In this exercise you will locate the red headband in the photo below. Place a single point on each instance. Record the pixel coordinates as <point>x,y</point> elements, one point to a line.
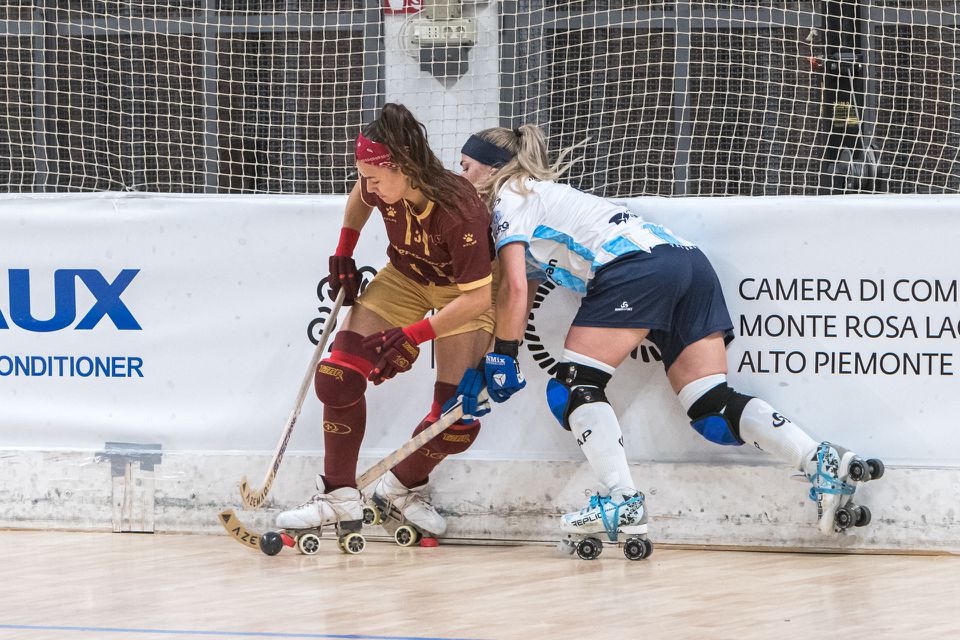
<point>374,153</point>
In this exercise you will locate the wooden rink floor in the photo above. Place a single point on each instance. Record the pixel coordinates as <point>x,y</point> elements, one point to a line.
<point>61,585</point>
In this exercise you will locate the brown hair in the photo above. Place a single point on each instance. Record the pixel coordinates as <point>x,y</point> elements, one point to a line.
<point>406,137</point>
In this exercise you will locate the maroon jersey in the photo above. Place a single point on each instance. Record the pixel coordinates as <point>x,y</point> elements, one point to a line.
<point>436,246</point>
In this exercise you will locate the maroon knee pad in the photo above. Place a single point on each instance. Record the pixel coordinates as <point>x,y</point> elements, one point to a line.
<point>341,379</point>
<point>415,470</point>
<point>457,438</point>
<point>453,440</point>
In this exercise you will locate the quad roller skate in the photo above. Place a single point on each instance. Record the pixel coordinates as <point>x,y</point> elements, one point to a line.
<point>834,473</point>
<point>621,523</point>
<point>302,528</point>
<point>403,513</point>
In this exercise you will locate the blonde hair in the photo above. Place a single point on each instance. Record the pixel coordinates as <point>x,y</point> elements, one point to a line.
<point>528,144</point>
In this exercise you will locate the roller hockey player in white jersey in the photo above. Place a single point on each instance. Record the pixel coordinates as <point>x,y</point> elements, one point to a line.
<point>638,281</point>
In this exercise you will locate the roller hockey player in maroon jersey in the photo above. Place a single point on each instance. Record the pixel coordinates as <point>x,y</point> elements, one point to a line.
<point>638,281</point>
<point>439,259</point>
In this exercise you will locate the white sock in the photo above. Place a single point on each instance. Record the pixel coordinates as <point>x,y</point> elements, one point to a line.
<point>597,430</point>
<point>771,431</point>
<point>760,425</point>
<point>598,433</point>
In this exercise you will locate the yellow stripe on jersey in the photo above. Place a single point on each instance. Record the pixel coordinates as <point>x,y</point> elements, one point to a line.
<point>476,284</point>
<point>423,214</point>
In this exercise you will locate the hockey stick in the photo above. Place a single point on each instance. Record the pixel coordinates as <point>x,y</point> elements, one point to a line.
<point>254,498</point>
<point>236,529</point>
<point>228,517</point>
<point>412,445</point>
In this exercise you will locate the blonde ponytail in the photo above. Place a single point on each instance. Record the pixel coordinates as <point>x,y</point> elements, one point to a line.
<point>528,144</point>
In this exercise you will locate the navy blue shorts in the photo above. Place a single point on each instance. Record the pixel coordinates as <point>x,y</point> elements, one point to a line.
<point>673,291</point>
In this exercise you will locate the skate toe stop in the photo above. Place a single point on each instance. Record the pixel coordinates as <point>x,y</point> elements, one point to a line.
<point>429,542</point>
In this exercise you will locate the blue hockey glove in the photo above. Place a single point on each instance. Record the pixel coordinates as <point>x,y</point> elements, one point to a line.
<point>467,391</point>
<point>502,371</point>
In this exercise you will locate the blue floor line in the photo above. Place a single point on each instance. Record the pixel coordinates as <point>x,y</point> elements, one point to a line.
<point>245,634</point>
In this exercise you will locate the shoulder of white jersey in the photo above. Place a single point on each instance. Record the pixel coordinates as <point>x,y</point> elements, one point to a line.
<point>513,194</point>
<point>513,214</point>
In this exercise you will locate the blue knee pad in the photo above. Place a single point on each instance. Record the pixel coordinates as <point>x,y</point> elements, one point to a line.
<point>716,429</point>
<point>558,397</point>
<point>574,385</point>
<point>716,415</point>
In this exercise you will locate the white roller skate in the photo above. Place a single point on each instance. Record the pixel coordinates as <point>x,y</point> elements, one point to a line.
<point>302,527</point>
<point>834,473</point>
<point>621,523</point>
<point>404,513</point>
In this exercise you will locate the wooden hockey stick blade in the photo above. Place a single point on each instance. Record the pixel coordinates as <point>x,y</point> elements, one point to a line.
<point>413,445</point>
<point>228,518</point>
<point>254,498</point>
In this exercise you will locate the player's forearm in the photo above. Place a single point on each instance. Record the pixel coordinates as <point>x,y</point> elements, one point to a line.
<point>357,212</point>
<point>464,308</point>
<point>511,309</point>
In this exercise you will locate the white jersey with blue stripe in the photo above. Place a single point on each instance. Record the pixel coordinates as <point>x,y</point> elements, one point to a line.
<point>569,234</point>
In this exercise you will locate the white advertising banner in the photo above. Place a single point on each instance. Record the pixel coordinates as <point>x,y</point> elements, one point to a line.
<point>185,322</point>
<point>180,321</point>
<point>846,312</point>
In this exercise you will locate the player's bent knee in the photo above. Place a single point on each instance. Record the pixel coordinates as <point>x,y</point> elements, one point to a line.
<point>338,385</point>
<point>574,386</point>
<point>716,415</point>
<point>455,439</point>
<point>716,429</point>
<point>558,397</point>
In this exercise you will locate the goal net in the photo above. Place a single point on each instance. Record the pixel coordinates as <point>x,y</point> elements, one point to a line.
<point>677,98</point>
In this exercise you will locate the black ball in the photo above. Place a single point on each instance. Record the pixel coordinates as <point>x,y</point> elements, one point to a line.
<point>271,543</point>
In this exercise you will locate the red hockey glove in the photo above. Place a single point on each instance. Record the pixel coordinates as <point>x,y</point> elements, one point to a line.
<point>397,348</point>
<point>343,270</point>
